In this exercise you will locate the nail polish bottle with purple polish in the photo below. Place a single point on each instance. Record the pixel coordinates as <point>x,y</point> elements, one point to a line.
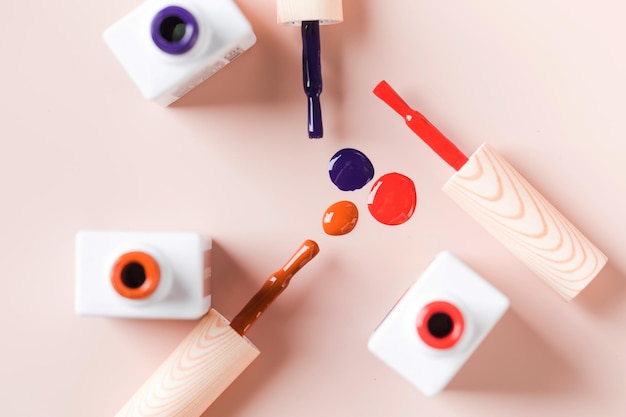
<point>168,47</point>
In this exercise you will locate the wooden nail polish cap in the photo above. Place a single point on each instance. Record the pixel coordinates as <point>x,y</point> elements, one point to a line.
<point>204,364</point>
<point>293,12</point>
<point>489,189</point>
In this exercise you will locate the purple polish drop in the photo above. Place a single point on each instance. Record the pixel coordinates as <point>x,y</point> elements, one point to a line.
<point>350,169</point>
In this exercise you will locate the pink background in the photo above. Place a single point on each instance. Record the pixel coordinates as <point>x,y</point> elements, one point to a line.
<point>542,81</point>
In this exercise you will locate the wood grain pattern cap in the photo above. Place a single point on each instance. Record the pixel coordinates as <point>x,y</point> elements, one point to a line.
<point>293,12</point>
<point>203,365</point>
<point>515,213</point>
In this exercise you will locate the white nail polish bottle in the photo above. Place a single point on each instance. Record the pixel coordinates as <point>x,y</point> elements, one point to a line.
<point>141,274</point>
<point>438,324</point>
<point>168,47</point>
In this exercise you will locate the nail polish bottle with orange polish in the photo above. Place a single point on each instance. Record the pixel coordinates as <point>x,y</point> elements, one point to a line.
<point>438,324</point>
<point>164,275</point>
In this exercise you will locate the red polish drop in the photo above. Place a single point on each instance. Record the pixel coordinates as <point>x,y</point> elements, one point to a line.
<point>340,218</point>
<point>392,199</point>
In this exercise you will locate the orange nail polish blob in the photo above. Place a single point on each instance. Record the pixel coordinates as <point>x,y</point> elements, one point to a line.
<point>340,218</point>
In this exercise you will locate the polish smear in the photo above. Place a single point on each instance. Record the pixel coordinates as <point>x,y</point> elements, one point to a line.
<point>392,199</point>
<point>340,218</point>
<point>350,169</point>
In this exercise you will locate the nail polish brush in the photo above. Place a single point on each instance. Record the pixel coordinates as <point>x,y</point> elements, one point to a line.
<point>212,355</point>
<point>496,195</point>
<point>310,14</point>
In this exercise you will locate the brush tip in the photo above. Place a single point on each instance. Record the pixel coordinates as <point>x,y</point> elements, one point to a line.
<point>314,248</point>
<point>382,88</point>
<point>388,95</point>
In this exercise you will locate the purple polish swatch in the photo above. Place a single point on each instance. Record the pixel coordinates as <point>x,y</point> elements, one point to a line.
<point>350,169</point>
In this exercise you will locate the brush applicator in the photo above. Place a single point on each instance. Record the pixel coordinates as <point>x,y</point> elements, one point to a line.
<point>310,14</point>
<point>212,355</point>
<point>488,188</point>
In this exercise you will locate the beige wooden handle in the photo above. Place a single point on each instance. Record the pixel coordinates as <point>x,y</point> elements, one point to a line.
<point>293,12</point>
<point>514,212</point>
<point>205,363</point>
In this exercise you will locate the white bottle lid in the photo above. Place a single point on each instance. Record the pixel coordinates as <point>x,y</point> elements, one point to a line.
<point>294,12</point>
